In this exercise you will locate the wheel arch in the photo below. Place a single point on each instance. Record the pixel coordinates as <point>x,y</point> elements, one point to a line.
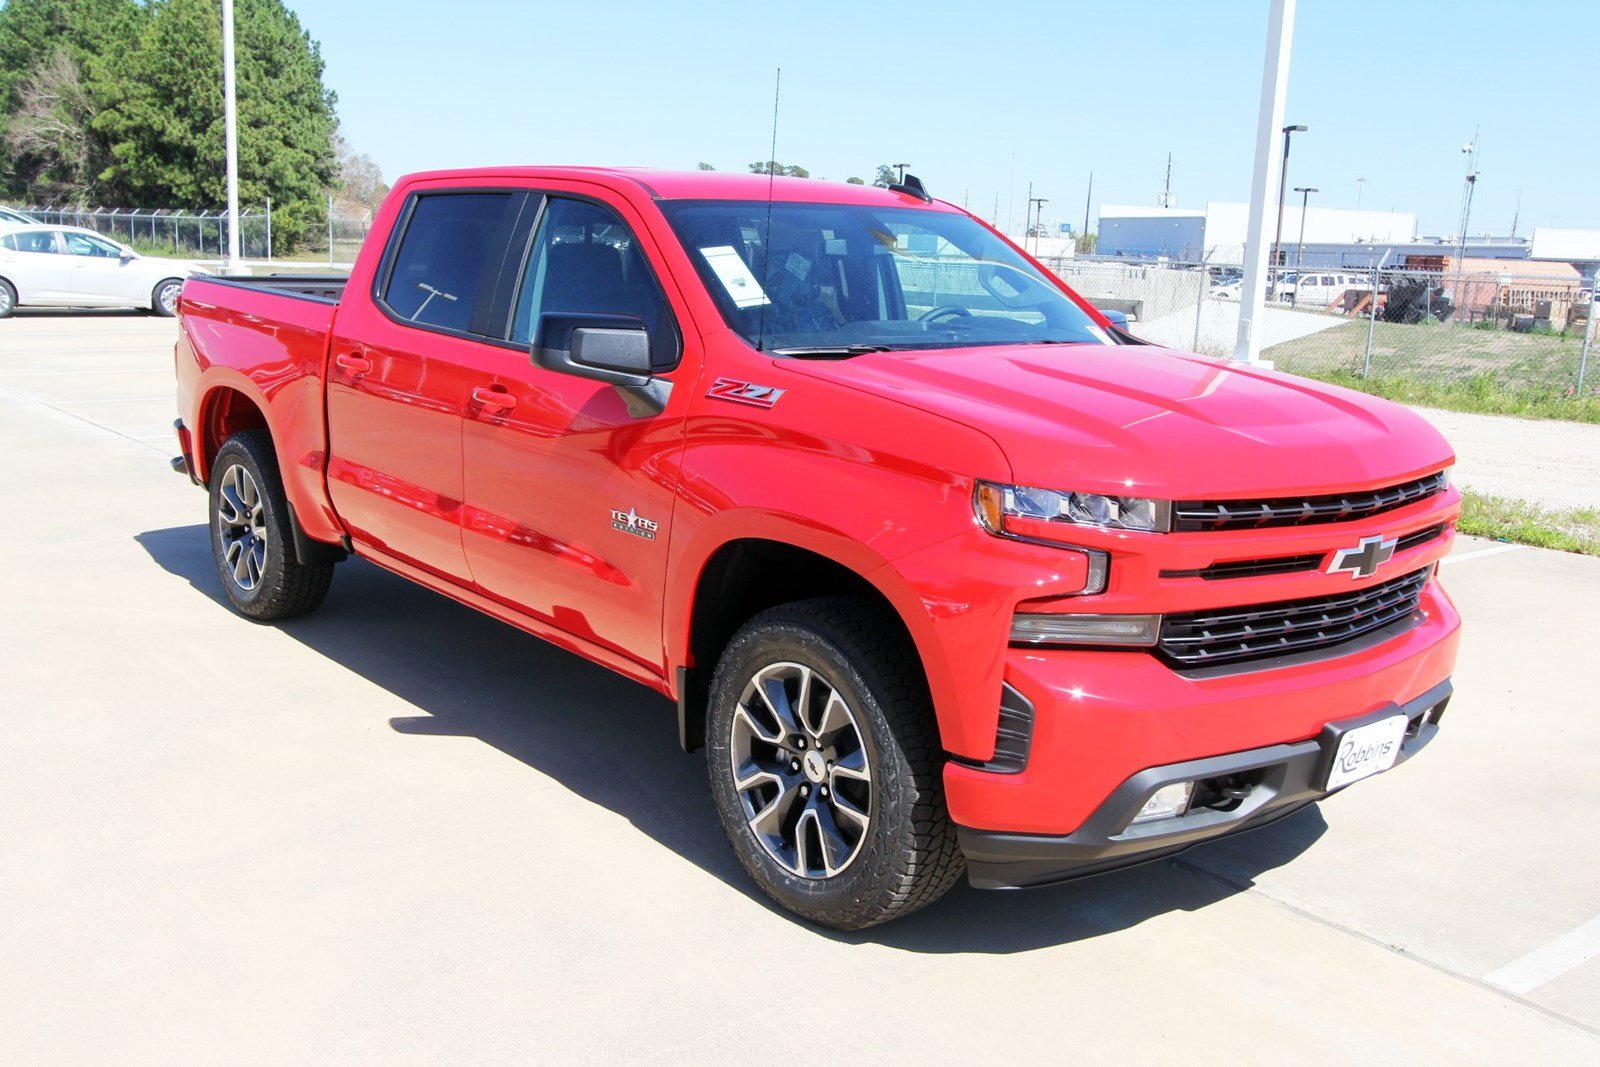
<point>225,411</point>
<point>745,575</point>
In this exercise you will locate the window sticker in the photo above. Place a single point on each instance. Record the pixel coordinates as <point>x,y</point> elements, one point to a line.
<point>798,265</point>
<point>735,276</point>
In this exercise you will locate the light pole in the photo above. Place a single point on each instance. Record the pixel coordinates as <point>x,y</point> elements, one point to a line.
<point>1283,192</point>
<point>1359,183</point>
<point>1038,203</point>
<point>1305,192</point>
<point>230,130</point>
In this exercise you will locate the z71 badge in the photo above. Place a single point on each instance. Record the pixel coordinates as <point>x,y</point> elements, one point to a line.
<point>760,396</point>
<point>631,522</point>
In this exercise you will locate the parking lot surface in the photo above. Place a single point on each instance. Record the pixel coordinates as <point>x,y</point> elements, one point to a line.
<point>399,831</point>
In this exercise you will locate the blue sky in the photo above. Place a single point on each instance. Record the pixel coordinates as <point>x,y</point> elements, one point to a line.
<point>981,99</point>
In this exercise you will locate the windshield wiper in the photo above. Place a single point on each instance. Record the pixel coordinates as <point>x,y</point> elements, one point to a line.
<point>830,351</point>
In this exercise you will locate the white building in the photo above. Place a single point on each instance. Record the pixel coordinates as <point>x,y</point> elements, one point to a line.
<point>1217,233</point>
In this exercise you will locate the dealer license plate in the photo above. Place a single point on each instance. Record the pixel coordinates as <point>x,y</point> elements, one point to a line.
<point>1366,750</point>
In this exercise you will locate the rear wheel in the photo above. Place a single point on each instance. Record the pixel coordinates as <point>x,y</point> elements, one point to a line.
<point>8,299</point>
<point>251,539</point>
<point>825,764</point>
<point>164,298</point>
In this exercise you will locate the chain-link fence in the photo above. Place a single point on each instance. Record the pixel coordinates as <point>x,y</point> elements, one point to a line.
<point>1517,325</point>
<point>204,235</point>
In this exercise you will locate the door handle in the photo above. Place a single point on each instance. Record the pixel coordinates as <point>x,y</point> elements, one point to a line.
<point>494,397</point>
<point>352,363</point>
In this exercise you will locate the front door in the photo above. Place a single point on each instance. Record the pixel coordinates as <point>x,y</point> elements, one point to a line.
<point>569,497</point>
<point>100,276</point>
<point>398,378</point>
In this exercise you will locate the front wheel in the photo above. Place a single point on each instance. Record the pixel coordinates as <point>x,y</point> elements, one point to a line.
<point>825,764</point>
<point>251,539</point>
<point>8,299</point>
<point>164,298</point>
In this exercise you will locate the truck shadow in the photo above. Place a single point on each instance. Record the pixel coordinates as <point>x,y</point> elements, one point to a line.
<point>614,743</point>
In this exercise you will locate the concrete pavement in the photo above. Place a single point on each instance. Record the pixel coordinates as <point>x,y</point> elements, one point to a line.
<point>398,831</point>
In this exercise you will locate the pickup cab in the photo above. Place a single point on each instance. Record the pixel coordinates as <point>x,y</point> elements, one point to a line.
<point>945,572</point>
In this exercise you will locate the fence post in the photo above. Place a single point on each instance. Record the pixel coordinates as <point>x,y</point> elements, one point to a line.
<point>1200,304</point>
<point>1588,334</point>
<point>269,227</point>
<point>330,231</point>
<point>1372,317</point>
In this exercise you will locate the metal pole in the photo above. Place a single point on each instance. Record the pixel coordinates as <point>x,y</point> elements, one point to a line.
<point>1588,334</point>
<point>1372,315</point>
<point>1200,304</point>
<point>1274,89</point>
<point>1283,194</point>
<point>269,227</point>
<point>231,133</point>
<point>1300,249</point>
<point>330,231</point>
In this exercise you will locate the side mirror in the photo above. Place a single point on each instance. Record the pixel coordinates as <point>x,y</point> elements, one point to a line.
<point>1119,319</point>
<point>127,256</point>
<point>608,348</point>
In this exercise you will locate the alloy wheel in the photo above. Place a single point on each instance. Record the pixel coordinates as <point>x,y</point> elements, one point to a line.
<point>801,771</point>
<point>168,297</point>
<point>242,527</point>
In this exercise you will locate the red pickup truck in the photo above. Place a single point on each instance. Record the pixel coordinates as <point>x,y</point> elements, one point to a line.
<point>944,570</point>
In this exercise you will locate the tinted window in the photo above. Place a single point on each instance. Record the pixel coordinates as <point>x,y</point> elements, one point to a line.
<point>8,242</point>
<point>81,244</point>
<point>34,241</point>
<point>586,260</point>
<point>449,257</point>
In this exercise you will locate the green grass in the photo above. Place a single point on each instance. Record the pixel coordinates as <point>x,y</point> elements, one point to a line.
<point>1482,393</point>
<point>1452,366</point>
<point>1517,521</point>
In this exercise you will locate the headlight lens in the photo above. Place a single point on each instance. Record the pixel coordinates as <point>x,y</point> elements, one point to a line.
<point>996,504</point>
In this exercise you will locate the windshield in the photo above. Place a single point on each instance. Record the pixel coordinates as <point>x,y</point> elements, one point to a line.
<point>843,278</point>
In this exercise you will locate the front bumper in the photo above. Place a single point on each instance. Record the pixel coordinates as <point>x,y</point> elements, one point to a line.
<point>1280,779</point>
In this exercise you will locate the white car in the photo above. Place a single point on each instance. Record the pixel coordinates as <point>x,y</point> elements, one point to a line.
<point>66,266</point>
<point>9,215</point>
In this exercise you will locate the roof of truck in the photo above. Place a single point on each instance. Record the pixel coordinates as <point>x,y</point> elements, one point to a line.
<point>698,184</point>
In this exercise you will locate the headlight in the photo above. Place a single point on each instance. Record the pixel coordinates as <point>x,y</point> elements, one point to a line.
<point>1012,509</point>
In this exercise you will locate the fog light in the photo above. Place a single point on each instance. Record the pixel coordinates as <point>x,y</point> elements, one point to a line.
<point>1166,802</point>
<point>1064,629</point>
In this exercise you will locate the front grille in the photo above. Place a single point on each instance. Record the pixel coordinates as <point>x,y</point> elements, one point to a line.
<point>1238,635</point>
<point>1310,561</point>
<point>1191,515</point>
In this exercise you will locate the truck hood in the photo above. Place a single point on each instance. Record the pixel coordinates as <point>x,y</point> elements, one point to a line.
<point>1140,420</point>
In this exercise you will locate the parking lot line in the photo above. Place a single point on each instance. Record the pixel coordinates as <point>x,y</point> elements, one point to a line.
<point>1492,550</point>
<point>1549,961</point>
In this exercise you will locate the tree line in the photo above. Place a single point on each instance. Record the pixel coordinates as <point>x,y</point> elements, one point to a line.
<point>118,103</point>
<point>882,178</point>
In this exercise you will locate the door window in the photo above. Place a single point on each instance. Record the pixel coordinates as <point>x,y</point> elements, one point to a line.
<point>449,258</point>
<point>586,261</point>
<point>32,241</point>
<point>83,244</point>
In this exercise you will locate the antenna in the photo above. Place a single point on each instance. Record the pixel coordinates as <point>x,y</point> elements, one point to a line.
<point>766,241</point>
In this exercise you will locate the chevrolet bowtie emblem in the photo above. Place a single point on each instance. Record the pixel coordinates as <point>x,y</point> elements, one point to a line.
<point>1364,559</point>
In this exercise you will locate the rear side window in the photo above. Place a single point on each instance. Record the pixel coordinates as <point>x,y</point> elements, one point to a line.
<point>448,258</point>
<point>9,243</point>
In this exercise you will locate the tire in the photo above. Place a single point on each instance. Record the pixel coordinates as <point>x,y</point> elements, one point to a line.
<point>164,297</point>
<point>881,758</point>
<point>8,299</point>
<point>251,539</point>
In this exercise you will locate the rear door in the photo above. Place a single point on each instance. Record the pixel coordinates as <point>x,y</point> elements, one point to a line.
<point>36,265</point>
<point>100,276</point>
<point>569,496</point>
<point>399,380</point>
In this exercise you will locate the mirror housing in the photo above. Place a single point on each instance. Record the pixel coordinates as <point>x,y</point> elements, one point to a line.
<point>1119,319</point>
<point>614,349</point>
<point>127,255</point>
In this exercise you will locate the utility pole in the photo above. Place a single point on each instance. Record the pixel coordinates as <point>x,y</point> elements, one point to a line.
<point>1038,203</point>
<point>1087,197</point>
<point>1300,252</point>
<point>1283,194</point>
<point>1359,183</point>
<point>1470,150</point>
<point>230,135</point>
<point>1166,193</point>
<point>1516,214</point>
<point>1274,90</point>
<point>1027,219</point>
